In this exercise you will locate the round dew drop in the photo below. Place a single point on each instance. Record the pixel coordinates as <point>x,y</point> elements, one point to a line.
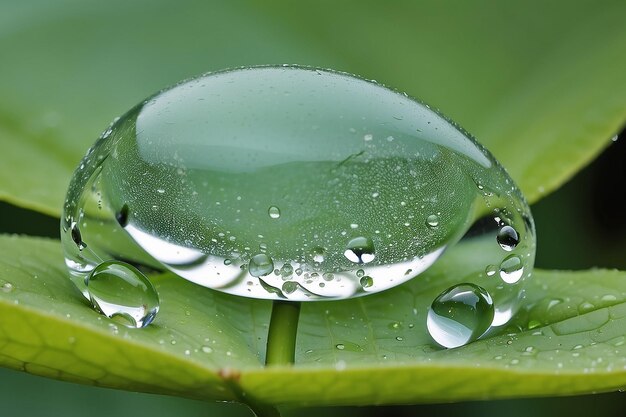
<point>247,181</point>
<point>120,291</point>
<point>459,315</point>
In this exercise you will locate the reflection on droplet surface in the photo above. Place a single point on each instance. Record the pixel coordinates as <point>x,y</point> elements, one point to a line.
<point>460,315</point>
<point>507,238</point>
<point>119,291</point>
<point>360,250</point>
<point>231,184</point>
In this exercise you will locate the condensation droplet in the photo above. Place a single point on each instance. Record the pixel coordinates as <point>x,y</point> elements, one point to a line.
<point>274,212</point>
<point>432,220</point>
<point>121,292</point>
<point>460,315</point>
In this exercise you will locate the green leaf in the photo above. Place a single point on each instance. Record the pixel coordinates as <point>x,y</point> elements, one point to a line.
<point>541,85</point>
<point>211,346</point>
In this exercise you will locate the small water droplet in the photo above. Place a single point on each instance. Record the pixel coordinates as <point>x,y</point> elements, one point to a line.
<point>507,238</point>
<point>366,281</point>
<point>274,212</point>
<point>119,291</point>
<point>207,349</point>
<point>260,265</point>
<point>7,287</point>
<point>491,270</point>
<point>511,269</point>
<point>360,273</point>
<point>459,315</point>
<point>340,346</point>
<point>432,220</point>
<point>360,250</point>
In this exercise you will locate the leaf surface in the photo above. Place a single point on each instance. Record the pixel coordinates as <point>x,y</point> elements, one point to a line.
<point>211,346</point>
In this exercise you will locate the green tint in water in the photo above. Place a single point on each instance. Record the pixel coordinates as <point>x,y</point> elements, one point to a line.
<point>330,177</point>
<point>118,290</point>
<point>460,314</point>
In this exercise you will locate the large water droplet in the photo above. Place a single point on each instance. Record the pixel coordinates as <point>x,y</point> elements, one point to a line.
<point>119,291</point>
<point>460,314</point>
<point>203,178</point>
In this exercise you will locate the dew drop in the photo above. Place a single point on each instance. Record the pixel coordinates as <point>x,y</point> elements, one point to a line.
<point>7,287</point>
<point>360,250</point>
<point>274,212</point>
<point>459,315</point>
<point>432,220</point>
<point>511,269</point>
<point>119,291</point>
<point>260,265</point>
<point>508,238</point>
<point>366,281</point>
<point>185,202</point>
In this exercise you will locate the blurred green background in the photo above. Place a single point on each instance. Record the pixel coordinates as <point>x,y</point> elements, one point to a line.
<point>52,50</point>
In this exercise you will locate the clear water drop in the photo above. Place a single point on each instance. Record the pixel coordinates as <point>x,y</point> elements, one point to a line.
<point>219,204</point>
<point>274,212</point>
<point>121,292</point>
<point>432,220</point>
<point>360,250</point>
<point>260,265</point>
<point>491,270</point>
<point>366,281</point>
<point>459,315</point>
<point>507,238</point>
<point>511,269</point>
